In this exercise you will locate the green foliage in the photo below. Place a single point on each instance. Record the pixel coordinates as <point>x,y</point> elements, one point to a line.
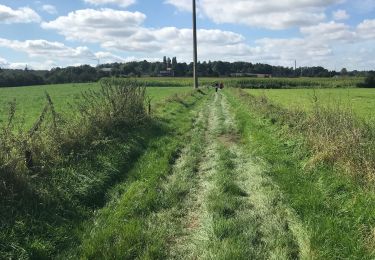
<point>369,81</point>
<point>31,100</point>
<point>86,73</point>
<point>143,196</point>
<point>52,175</point>
<point>332,205</point>
<point>333,133</point>
<point>294,83</point>
<point>14,78</point>
<point>361,101</point>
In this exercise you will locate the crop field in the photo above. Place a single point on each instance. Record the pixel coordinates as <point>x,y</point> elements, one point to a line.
<point>31,100</point>
<point>361,101</point>
<point>206,175</point>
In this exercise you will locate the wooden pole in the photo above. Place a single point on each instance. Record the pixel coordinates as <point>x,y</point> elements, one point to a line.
<point>195,46</point>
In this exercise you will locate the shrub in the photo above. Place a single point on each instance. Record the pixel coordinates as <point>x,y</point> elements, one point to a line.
<point>369,81</point>
<point>52,139</point>
<point>333,134</point>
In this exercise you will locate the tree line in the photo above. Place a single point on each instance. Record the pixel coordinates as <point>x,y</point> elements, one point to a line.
<point>87,73</point>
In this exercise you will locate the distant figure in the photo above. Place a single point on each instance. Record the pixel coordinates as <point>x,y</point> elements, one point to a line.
<point>216,86</point>
<point>221,85</point>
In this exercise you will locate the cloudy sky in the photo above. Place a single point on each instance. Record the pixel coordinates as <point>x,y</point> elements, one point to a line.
<point>51,33</point>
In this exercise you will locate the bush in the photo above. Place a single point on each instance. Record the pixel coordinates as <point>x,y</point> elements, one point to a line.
<point>119,104</point>
<point>332,133</point>
<point>369,81</point>
<point>52,175</point>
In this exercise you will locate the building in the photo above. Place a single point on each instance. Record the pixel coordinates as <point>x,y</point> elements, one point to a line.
<point>166,73</point>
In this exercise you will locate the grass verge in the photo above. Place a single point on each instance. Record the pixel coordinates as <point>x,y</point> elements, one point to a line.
<point>334,208</point>
<point>129,227</point>
<point>43,208</point>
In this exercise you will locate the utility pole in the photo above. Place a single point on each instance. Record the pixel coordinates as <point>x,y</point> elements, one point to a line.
<point>195,46</point>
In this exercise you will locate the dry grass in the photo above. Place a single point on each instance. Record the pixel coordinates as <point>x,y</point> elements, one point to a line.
<point>333,133</point>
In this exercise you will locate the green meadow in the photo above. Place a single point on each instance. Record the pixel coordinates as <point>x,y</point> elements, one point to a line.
<point>206,175</point>
<point>361,101</point>
<point>31,100</point>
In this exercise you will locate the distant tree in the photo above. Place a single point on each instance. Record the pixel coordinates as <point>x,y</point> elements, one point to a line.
<point>169,63</point>
<point>158,67</point>
<point>344,72</point>
<point>174,63</point>
<point>370,80</point>
<point>219,68</point>
<point>165,62</point>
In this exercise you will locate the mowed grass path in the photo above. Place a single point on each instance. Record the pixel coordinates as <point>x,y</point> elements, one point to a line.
<point>362,101</point>
<point>31,100</point>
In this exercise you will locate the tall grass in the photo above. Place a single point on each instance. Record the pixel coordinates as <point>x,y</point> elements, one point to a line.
<point>53,173</point>
<point>335,210</point>
<point>287,83</point>
<point>258,83</point>
<point>334,135</point>
<point>118,103</point>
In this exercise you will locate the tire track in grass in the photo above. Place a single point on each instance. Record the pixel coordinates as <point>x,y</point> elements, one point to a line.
<point>281,232</point>
<point>233,211</point>
<point>195,223</point>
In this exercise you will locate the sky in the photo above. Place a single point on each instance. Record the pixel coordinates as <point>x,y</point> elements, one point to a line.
<point>44,34</point>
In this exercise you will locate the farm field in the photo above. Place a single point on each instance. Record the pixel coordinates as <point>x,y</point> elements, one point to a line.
<point>206,176</point>
<point>361,101</point>
<point>31,100</point>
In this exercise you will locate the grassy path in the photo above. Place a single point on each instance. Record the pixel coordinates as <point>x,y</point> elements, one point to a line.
<point>200,193</point>
<point>233,211</point>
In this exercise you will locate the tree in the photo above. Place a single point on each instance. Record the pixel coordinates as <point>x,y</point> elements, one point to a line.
<point>165,62</point>
<point>174,63</point>
<point>344,72</point>
<point>370,80</point>
<point>169,63</point>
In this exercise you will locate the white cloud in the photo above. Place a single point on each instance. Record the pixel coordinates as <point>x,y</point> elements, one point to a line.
<point>49,9</point>
<point>107,57</point>
<point>54,53</point>
<point>317,46</point>
<point>44,65</point>
<point>340,15</point>
<point>118,31</point>
<point>3,62</point>
<point>47,49</point>
<point>20,15</point>
<point>271,14</point>
<point>180,5</point>
<point>331,31</point>
<point>285,51</point>
<point>366,29</point>
<point>91,25</point>
<point>122,3</point>
<point>132,36</point>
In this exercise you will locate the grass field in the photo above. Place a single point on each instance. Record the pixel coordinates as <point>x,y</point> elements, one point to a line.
<point>31,100</point>
<point>362,101</point>
<point>206,176</point>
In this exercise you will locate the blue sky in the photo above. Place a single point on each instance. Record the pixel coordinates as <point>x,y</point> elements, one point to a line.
<point>46,33</point>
